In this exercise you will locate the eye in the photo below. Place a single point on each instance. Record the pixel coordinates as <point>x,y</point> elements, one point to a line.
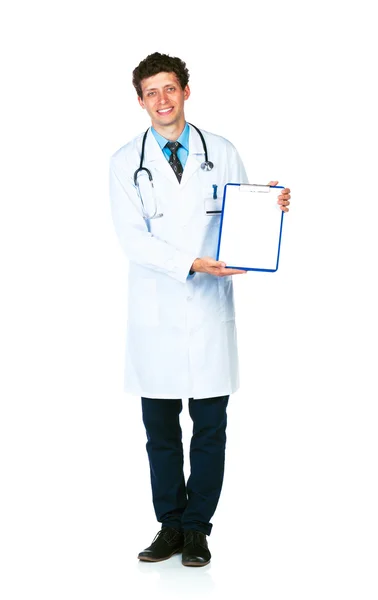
<point>150,93</point>
<point>171,89</point>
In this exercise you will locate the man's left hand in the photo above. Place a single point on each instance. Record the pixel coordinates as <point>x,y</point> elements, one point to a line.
<point>284,198</point>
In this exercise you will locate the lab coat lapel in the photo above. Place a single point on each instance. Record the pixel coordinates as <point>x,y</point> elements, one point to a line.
<point>195,157</point>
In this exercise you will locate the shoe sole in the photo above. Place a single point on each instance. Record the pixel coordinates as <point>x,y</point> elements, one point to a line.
<point>147,559</point>
<point>195,564</point>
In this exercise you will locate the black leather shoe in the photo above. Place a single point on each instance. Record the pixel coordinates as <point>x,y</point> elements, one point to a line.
<point>165,544</point>
<point>196,552</point>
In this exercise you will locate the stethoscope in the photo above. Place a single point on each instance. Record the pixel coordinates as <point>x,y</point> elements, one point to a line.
<point>207,165</point>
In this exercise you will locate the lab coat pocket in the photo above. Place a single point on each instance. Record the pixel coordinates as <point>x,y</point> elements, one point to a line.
<point>212,206</point>
<point>143,302</point>
<point>226,298</point>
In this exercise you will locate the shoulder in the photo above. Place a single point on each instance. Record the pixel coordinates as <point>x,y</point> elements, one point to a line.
<point>217,140</point>
<point>219,144</point>
<point>221,149</point>
<point>129,151</point>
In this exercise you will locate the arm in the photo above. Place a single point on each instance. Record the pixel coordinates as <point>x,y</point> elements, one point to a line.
<point>236,170</point>
<point>139,245</point>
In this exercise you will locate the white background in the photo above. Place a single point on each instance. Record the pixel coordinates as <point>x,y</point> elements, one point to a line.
<point>291,84</point>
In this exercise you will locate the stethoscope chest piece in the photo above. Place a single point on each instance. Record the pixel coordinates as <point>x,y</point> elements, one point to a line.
<point>207,165</point>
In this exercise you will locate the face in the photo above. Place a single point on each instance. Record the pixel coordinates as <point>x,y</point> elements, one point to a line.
<point>163,99</point>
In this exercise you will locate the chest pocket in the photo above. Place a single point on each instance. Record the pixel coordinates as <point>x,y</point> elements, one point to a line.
<point>212,207</point>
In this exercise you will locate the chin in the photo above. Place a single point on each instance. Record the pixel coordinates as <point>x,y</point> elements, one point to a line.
<point>164,123</point>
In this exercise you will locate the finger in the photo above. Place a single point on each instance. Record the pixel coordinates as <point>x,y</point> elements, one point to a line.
<point>232,272</point>
<point>225,270</point>
<point>284,202</point>
<point>273,183</point>
<point>284,197</point>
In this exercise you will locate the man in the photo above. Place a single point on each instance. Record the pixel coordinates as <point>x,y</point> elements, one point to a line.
<point>181,335</point>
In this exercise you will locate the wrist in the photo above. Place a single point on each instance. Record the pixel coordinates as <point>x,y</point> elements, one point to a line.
<point>195,266</point>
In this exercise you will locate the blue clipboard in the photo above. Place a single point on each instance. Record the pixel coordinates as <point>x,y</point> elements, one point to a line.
<point>251,227</point>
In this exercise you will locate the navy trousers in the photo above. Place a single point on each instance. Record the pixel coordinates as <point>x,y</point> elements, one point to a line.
<point>191,505</point>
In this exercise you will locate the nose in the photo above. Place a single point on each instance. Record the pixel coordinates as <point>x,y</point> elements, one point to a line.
<point>163,97</point>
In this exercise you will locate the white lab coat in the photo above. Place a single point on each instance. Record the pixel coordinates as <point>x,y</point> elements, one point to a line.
<point>181,336</point>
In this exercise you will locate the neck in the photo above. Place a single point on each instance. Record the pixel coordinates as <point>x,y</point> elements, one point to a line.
<point>171,132</point>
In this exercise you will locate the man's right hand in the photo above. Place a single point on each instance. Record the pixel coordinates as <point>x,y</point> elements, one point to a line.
<point>214,267</point>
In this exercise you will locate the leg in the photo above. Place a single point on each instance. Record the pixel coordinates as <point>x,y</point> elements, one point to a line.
<point>165,453</point>
<point>207,456</point>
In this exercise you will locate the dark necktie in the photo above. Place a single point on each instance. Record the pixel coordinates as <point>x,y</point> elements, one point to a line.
<point>173,159</point>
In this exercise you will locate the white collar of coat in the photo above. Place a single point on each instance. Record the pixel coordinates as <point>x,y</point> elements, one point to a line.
<point>155,157</point>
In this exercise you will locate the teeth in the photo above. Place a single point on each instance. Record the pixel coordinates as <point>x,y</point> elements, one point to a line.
<point>164,110</point>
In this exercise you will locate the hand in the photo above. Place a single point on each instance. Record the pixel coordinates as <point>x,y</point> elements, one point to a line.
<point>214,267</point>
<point>283,198</point>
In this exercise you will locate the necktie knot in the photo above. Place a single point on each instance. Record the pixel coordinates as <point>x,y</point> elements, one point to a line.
<point>173,146</point>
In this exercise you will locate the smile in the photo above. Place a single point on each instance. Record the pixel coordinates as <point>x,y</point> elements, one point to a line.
<point>165,111</point>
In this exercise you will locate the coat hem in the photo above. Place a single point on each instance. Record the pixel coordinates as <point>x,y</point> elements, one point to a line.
<point>215,394</point>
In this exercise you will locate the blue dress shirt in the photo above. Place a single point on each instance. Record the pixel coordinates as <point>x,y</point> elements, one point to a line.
<point>182,153</point>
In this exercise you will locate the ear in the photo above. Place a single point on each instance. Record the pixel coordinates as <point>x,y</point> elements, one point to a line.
<point>186,92</point>
<point>141,102</point>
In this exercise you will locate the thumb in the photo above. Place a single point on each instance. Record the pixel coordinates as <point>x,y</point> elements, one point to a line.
<point>273,183</point>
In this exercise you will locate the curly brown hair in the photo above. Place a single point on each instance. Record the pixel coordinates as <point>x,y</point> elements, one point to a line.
<point>157,63</point>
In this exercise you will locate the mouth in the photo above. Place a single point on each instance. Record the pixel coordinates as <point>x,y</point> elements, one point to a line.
<point>165,111</point>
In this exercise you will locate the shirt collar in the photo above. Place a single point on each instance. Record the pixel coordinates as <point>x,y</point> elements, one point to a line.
<point>183,139</point>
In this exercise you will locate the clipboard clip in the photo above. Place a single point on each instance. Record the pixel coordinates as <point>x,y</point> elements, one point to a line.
<point>254,187</point>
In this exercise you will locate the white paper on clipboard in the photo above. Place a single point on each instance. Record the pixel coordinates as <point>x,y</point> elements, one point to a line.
<point>251,227</point>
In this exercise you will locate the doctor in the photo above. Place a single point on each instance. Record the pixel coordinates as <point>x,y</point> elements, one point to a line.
<point>181,335</point>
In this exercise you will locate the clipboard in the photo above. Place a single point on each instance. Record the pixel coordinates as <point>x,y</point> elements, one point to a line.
<point>251,227</point>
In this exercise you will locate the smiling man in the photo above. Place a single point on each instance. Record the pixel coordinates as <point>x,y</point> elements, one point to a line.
<point>181,333</point>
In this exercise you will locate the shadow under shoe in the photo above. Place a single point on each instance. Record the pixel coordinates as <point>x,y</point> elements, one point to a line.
<point>196,552</point>
<point>167,542</point>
